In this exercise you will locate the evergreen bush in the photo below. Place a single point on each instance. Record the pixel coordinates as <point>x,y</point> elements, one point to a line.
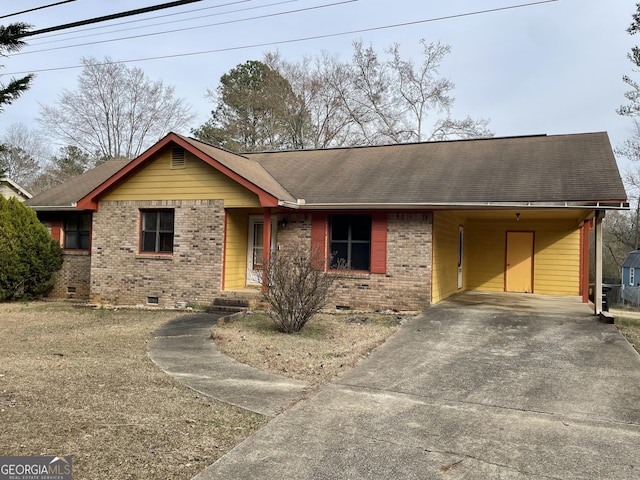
<point>29,257</point>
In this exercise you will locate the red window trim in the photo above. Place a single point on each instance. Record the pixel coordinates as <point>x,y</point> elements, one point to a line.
<point>378,260</point>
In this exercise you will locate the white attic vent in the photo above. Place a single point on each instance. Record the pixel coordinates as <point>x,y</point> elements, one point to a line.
<point>177,157</point>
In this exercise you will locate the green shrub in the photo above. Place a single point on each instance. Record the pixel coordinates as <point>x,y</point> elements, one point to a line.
<point>29,257</point>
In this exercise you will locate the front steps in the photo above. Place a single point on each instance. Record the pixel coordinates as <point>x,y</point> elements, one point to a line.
<point>236,301</point>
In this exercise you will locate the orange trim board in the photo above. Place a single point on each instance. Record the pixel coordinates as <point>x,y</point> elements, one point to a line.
<point>90,200</point>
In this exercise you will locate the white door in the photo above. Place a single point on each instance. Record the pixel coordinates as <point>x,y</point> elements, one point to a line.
<point>255,248</point>
<point>460,254</point>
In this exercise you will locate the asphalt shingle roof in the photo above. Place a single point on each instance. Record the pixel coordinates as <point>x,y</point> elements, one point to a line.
<point>539,169</point>
<point>67,194</point>
<point>558,168</point>
<point>633,260</point>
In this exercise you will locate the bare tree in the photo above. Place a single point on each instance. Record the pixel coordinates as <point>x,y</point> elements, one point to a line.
<point>374,99</point>
<point>24,155</point>
<point>116,111</point>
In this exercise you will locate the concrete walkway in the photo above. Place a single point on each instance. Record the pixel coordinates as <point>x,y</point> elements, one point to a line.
<point>466,390</point>
<point>183,349</point>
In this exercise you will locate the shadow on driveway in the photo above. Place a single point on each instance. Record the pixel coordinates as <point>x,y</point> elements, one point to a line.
<point>466,390</point>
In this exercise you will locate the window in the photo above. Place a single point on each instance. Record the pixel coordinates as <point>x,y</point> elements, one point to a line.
<point>632,276</point>
<point>350,241</point>
<point>157,231</point>
<point>77,232</point>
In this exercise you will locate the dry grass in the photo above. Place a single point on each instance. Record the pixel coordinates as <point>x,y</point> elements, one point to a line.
<point>326,346</point>
<point>80,383</point>
<point>628,322</point>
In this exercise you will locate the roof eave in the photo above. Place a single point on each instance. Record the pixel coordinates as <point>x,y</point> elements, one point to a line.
<point>597,205</point>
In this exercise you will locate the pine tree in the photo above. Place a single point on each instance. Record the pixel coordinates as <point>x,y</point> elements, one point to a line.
<point>10,42</point>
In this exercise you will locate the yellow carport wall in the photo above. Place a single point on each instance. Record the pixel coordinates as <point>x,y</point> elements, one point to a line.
<point>556,252</point>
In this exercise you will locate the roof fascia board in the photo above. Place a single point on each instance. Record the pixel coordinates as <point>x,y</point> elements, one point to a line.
<point>16,187</point>
<point>600,205</point>
<point>90,200</point>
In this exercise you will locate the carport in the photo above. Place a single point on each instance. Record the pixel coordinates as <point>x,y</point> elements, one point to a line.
<point>525,248</point>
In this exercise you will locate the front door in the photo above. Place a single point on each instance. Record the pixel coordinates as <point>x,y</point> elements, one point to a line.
<point>255,248</point>
<point>519,268</point>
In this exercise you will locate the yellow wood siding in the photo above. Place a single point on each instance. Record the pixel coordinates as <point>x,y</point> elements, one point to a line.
<point>196,181</point>
<point>486,256</point>
<point>445,255</point>
<point>556,260</point>
<point>235,258</point>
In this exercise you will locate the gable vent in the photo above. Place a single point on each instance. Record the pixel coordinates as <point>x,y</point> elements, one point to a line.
<point>177,158</point>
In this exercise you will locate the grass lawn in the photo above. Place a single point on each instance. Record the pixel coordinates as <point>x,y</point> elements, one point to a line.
<point>326,346</point>
<point>628,322</point>
<point>79,382</point>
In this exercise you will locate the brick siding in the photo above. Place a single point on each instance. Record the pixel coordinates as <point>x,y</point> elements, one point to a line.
<point>406,285</point>
<point>193,273</point>
<point>74,274</point>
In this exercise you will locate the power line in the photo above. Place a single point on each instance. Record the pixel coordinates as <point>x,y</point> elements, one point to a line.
<point>173,15</point>
<point>37,8</point>
<point>297,40</point>
<point>165,32</point>
<point>105,18</point>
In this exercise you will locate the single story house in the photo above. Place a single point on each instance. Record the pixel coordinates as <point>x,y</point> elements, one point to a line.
<point>416,223</point>
<point>631,270</point>
<point>10,189</point>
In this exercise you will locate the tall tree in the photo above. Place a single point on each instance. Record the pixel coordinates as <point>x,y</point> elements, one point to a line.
<point>116,111</point>
<point>24,154</point>
<point>255,109</point>
<point>70,162</point>
<point>10,42</point>
<point>375,98</point>
<point>629,235</point>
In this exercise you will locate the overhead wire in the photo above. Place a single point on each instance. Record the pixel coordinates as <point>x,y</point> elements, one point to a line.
<point>165,32</point>
<point>300,39</point>
<point>36,8</point>
<point>173,20</point>
<point>112,16</point>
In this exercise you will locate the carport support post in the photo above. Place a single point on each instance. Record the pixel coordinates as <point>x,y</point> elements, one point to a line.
<point>597,287</point>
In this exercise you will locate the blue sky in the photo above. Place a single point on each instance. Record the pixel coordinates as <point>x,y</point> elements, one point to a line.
<point>554,67</point>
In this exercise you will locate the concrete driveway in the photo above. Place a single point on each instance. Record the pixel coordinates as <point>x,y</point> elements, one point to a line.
<point>477,387</point>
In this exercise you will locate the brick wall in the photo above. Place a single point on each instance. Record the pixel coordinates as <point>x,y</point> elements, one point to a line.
<point>193,273</point>
<point>74,274</point>
<point>406,285</point>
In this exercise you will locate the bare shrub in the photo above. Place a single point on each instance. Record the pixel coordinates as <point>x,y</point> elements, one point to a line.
<point>298,287</point>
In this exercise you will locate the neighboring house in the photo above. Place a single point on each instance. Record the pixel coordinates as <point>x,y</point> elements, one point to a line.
<point>10,189</point>
<point>187,221</point>
<point>631,270</point>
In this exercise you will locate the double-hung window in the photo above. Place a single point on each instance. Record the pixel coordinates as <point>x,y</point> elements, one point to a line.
<point>77,232</point>
<point>156,234</point>
<point>350,241</point>
<point>632,276</point>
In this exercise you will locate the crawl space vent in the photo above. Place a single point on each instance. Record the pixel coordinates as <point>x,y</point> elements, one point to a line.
<point>177,158</point>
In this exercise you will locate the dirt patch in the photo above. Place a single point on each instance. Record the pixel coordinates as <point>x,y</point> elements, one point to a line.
<point>326,346</point>
<point>79,382</point>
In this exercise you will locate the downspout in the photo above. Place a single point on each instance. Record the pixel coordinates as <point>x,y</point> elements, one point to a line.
<point>597,287</point>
